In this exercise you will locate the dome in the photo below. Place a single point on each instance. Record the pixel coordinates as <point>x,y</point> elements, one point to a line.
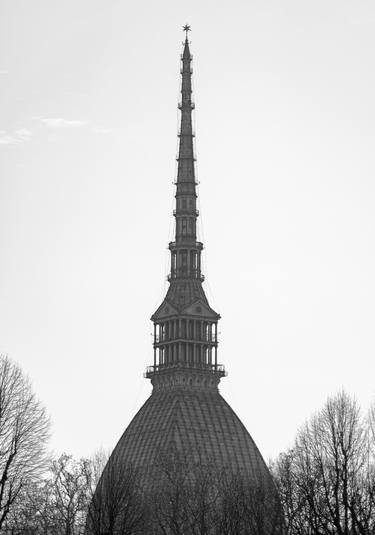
<point>197,422</point>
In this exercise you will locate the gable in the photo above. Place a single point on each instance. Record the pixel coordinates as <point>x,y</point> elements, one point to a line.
<point>165,310</point>
<point>201,310</point>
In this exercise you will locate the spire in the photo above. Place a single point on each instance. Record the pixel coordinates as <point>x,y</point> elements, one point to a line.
<point>185,326</point>
<point>186,213</point>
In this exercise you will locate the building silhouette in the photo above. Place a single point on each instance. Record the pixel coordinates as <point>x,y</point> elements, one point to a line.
<point>185,412</point>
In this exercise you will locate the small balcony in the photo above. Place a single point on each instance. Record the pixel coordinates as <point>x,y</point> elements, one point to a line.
<point>185,274</point>
<point>186,211</point>
<point>182,245</point>
<point>192,133</point>
<point>189,103</point>
<point>217,369</point>
<point>193,158</point>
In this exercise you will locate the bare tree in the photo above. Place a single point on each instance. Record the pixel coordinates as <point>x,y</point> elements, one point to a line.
<point>23,435</point>
<point>371,423</point>
<point>69,494</point>
<point>116,506</point>
<point>77,495</point>
<point>327,480</point>
<point>58,503</point>
<point>34,512</point>
<point>185,497</point>
<point>248,507</point>
<point>294,502</point>
<point>196,497</point>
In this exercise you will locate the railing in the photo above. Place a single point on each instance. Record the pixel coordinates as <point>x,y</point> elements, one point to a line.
<point>178,158</point>
<point>183,337</point>
<point>176,182</point>
<point>174,244</point>
<point>190,103</point>
<point>192,133</point>
<point>185,211</point>
<point>213,368</point>
<point>185,274</point>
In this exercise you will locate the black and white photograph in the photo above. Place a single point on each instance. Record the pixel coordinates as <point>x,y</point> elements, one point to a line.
<point>187,274</point>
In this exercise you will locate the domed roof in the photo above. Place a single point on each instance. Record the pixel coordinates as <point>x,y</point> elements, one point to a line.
<point>196,422</point>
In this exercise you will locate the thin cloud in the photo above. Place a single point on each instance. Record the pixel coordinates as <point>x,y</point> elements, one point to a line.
<point>19,136</point>
<point>59,122</point>
<point>24,133</point>
<point>4,71</point>
<point>7,139</point>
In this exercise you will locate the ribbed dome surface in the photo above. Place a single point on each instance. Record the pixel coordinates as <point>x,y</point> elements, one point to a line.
<point>199,423</point>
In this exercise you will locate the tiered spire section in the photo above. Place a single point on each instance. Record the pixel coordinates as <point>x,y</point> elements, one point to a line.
<point>186,251</point>
<point>185,326</point>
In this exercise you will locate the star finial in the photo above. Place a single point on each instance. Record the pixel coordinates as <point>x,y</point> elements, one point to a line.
<point>186,29</point>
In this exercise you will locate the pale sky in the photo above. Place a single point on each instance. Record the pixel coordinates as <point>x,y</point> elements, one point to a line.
<point>285,125</point>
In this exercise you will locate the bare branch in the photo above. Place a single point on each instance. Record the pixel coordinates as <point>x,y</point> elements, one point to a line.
<point>24,430</point>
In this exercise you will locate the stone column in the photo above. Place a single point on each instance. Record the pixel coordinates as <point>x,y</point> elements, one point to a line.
<point>154,346</point>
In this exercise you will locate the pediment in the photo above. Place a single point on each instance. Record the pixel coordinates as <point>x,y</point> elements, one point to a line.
<point>165,310</point>
<point>201,309</point>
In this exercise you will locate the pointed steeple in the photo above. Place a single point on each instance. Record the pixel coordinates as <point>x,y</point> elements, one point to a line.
<point>186,171</point>
<point>185,326</point>
<point>185,263</point>
<point>186,212</point>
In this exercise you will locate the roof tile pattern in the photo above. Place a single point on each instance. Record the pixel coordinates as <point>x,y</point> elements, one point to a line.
<point>184,292</point>
<point>195,422</point>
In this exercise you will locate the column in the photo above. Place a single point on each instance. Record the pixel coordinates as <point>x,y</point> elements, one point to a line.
<point>154,346</point>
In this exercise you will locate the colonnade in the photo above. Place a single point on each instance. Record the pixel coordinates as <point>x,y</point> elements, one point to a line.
<point>191,342</point>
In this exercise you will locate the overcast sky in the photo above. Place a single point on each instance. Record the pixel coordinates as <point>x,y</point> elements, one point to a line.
<point>285,124</point>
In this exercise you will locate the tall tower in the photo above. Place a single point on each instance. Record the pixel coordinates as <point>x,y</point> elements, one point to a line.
<point>185,326</point>
<point>185,411</point>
